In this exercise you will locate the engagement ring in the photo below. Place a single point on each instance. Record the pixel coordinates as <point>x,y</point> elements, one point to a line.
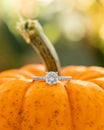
<point>52,77</point>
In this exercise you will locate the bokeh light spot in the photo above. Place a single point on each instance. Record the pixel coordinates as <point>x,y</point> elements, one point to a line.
<point>85,4</point>
<point>101,32</point>
<point>45,2</point>
<point>74,26</point>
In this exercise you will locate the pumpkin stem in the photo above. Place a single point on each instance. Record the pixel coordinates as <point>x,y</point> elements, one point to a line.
<point>32,32</point>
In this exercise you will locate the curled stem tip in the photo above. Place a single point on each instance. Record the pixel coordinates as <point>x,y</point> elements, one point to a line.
<point>32,32</point>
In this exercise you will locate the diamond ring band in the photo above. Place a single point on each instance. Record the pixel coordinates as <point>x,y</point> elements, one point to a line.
<point>52,77</point>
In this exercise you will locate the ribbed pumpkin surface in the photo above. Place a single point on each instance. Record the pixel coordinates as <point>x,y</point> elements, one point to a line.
<point>34,105</point>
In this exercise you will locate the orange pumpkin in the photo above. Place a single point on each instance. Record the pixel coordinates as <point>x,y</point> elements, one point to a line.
<point>26,104</point>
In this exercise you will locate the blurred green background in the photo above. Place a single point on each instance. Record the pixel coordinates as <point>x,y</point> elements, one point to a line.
<point>75,27</point>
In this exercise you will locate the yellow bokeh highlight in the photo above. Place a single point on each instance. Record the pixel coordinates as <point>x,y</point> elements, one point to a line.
<point>24,8</point>
<point>101,32</point>
<point>84,4</point>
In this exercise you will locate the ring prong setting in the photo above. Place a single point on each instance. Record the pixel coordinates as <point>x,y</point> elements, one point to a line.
<point>51,78</point>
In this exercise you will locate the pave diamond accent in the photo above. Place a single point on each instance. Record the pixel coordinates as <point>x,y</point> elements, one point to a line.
<point>51,77</point>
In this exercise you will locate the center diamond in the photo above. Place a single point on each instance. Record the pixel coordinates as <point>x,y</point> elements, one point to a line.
<point>51,77</point>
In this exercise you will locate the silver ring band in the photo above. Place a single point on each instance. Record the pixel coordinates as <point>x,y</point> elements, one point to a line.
<point>39,78</point>
<point>52,77</point>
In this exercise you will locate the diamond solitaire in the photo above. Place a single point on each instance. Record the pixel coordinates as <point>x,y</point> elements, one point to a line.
<point>52,77</point>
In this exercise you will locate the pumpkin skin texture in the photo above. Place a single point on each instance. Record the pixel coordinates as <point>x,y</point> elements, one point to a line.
<point>34,105</point>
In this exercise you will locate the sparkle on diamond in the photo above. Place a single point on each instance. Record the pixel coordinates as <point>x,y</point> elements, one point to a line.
<point>51,78</point>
